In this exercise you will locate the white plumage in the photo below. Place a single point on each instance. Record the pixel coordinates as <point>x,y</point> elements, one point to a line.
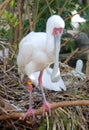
<point>77,72</point>
<point>46,81</point>
<point>76,19</point>
<point>37,50</point>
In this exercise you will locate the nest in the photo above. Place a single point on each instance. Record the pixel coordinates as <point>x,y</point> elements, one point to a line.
<point>14,97</point>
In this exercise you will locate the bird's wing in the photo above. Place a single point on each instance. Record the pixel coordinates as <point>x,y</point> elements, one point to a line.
<point>46,81</point>
<point>25,50</point>
<point>30,50</point>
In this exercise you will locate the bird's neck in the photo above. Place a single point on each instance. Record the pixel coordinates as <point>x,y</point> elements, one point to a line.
<point>50,41</point>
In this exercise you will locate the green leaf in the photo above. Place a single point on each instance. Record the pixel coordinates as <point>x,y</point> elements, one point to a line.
<point>12,3</point>
<point>16,23</point>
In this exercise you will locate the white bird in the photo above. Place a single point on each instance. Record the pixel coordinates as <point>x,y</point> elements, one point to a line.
<point>76,19</point>
<point>37,51</point>
<point>77,72</point>
<point>46,81</point>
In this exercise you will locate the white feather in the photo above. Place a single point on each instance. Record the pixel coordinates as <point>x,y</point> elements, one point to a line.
<point>76,19</point>
<point>46,81</point>
<point>77,72</point>
<point>36,50</point>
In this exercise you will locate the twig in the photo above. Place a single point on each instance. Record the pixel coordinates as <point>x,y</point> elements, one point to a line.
<point>82,10</point>
<point>20,7</point>
<point>75,52</point>
<point>50,10</point>
<point>35,13</point>
<point>16,115</point>
<point>16,36</point>
<point>65,3</point>
<point>10,68</point>
<point>3,6</point>
<point>28,11</point>
<point>87,68</point>
<point>66,42</point>
<point>41,12</point>
<point>82,51</point>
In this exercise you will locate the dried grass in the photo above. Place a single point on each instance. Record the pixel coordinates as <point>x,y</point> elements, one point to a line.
<point>14,97</point>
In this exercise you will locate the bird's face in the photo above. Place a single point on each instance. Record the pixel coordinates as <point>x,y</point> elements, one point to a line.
<point>55,26</point>
<point>57,33</point>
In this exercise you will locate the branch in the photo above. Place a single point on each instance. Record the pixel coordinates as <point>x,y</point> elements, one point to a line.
<point>3,6</point>
<point>28,11</point>
<point>20,8</point>
<point>16,115</point>
<point>65,3</point>
<point>66,42</point>
<point>50,10</point>
<point>82,10</point>
<point>83,50</point>
<point>72,55</point>
<point>87,68</point>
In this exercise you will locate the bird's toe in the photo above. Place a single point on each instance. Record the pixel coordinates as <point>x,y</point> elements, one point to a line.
<point>46,107</point>
<point>29,112</point>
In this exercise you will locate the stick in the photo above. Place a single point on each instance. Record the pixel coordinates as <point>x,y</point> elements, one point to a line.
<point>19,115</point>
<point>87,68</point>
<point>20,7</point>
<point>66,42</point>
<point>3,6</point>
<point>84,50</point>
<point>79,12</point>
<point>74,53</point>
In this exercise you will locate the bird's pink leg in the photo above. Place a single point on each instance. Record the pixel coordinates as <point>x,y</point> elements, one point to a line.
<point>46,106</point>
<point>30,110</point>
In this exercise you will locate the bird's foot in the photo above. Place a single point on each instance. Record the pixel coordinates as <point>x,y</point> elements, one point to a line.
<point>30,111</point>
<point>46,107</point>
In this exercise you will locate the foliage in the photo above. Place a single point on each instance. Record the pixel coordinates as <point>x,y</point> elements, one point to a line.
<point>85,26</point>
<point>4,33</point>
<point>69,47</point>
<point>19,17</point>
<point>64,119</point>
<point>12,20</point>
